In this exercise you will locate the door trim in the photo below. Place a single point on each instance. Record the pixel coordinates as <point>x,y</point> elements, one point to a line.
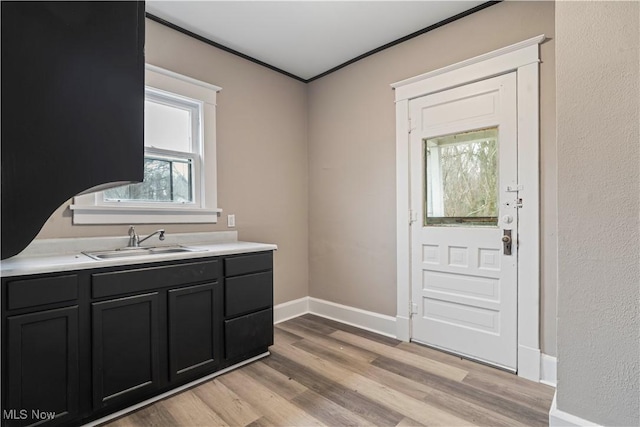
<point>523,58</point>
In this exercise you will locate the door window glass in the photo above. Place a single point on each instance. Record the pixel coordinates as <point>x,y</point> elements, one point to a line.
<point>461,179</point>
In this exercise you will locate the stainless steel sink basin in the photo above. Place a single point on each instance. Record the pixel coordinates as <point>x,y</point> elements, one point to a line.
<point>138,252</point>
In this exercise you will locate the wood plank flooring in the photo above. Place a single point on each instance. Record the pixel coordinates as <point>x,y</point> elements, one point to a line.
<point>322,372</point>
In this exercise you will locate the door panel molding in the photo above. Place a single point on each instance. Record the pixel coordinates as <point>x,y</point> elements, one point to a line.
<point>523,58</point>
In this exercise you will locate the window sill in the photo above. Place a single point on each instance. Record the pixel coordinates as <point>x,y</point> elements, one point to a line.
<point>83,214</point>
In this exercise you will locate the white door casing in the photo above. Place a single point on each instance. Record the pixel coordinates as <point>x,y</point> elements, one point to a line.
<point>464,287</point>
<point>523,58</point>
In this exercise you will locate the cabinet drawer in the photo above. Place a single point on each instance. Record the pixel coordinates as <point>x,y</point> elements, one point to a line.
<point>247,334</point>
<point>152,278</point>
<point>45,290</point>
<point>248,264</point>
<point>248,293</point>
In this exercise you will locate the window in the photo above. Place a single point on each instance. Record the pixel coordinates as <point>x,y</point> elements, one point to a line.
<point>172,154</point>
<point>179,160</point>
<point>461,179</point>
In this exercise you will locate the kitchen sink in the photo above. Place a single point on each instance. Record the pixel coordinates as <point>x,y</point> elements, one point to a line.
<point>137,252</point>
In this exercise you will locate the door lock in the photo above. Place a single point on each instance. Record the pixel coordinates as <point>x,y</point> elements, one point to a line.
<point>506,242</point>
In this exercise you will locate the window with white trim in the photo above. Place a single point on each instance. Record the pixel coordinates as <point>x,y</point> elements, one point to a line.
<point>171,156</point>
<point>179,160</point>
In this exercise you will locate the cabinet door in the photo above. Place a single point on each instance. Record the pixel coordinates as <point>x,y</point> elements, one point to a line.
<point>125,348</point>
<point>42,367</point>
<point>195,322</point>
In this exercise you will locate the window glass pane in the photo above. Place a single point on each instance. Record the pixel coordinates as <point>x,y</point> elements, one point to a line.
<point>182,182</point>
<point>167,127</point>
<point>165,180</point>
<point>461,173</point>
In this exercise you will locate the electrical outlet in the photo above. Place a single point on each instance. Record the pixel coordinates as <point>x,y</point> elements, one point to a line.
<point>231,220</point>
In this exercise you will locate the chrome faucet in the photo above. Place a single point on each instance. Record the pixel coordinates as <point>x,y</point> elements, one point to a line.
<point>135,240</point>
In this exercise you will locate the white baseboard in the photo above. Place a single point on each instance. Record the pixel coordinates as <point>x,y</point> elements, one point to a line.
<point>368,320</point>
<point>548,371</point>
<point>363,319</point>
<point>558,418</point>
<point>290,309</point>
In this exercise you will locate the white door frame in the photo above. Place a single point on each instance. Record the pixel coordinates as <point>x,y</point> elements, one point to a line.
<point>523,58</point>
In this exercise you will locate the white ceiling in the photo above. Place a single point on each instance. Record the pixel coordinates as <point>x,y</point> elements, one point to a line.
<point>305,38</point>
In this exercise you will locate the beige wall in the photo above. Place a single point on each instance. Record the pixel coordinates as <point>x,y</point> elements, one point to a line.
<point>598,97</point>
<point>262,155</point>
<point>352,221</point>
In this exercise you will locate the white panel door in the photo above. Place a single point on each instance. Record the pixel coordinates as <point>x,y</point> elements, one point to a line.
<point>464,203</point>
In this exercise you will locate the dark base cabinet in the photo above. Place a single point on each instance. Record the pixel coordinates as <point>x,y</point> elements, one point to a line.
<point>194,330</point>
<point>248,325</point>
<point>246,334</point>
<point>42,378</point>
<point>83,344</point>
<point>125,349</point>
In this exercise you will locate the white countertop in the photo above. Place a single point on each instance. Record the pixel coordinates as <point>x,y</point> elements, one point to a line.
<point>59,255</point>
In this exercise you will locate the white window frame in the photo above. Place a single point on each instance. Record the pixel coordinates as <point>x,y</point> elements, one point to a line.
<point>194,156</point>
<point>94,209</point>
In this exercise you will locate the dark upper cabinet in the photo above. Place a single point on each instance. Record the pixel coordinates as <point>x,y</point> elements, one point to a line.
<point>72,106</point>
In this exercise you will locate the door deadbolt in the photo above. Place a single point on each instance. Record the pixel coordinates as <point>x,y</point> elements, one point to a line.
<point>506,242</point>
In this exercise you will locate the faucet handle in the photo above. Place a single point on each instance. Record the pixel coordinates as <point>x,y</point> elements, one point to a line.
<point>132,231</point>
<point>161,236</point>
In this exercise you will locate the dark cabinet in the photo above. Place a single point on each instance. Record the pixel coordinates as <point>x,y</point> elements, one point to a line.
<point>248,293</point>
<point>247,334</point>
<point>72,106</point>
<point>195,317</point>
<point>42,367</point>
<point>127,281</point>
<point>248,286</point>
<point>41,291</point>
<point>84,344</point>
<point>125,348</point>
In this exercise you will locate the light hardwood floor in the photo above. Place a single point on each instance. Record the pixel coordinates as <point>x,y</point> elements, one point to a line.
<point>322,372</point>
